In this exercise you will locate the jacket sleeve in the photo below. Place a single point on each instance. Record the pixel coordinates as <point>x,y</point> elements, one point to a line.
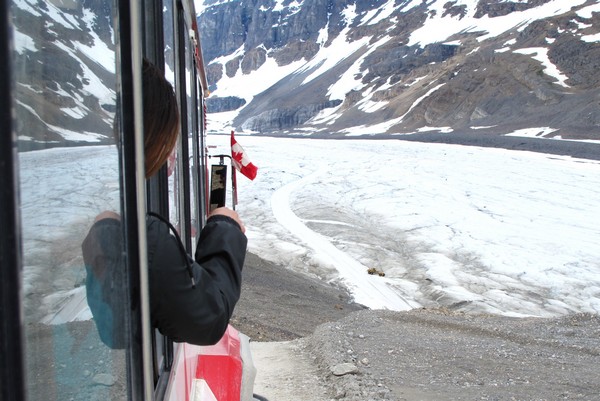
<point>195,314</point>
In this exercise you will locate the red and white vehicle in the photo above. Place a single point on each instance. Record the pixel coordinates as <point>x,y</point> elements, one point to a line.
<point>69,70</point>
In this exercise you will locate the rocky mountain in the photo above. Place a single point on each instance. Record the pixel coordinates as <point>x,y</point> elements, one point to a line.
<point>331,68</point>
<point>374,67</point>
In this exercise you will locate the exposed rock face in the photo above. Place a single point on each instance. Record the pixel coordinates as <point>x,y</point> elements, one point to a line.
<point>467,80</point>
<point>253,59</point>
<point>493,8</point>
<point>295,51</point>
<point>228,26</point>
<point>282,118</point>
<point>216,104</point>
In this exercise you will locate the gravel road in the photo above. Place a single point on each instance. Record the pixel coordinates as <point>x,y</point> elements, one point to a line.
<point>425,354</point>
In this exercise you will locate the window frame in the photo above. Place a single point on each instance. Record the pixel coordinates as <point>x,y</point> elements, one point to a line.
<point>12,373</point>
<point>133,201</point>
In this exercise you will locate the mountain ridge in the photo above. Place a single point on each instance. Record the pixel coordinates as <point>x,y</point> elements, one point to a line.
<point>339,68</point>
<point>332,68</point>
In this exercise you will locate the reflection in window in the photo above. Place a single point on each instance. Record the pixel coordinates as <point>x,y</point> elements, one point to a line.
<point>69,173</point>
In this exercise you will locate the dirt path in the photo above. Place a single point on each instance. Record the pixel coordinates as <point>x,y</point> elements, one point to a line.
<point>279,305</point>
<point>286,372</point>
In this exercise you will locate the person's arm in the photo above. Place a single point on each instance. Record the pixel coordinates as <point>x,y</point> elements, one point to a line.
<point>197,315</point>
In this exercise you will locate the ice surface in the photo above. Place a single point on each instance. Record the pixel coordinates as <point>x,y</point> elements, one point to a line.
<point>484,230</point>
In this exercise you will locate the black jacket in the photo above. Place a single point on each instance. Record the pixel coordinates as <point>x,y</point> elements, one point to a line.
<point>195,313</point>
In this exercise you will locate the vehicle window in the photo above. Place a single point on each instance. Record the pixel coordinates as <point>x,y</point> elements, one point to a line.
<point>164,347</point>
<point>177,71</point>
<point>192,138</point>
<point>170,73</point>
<point>69,173</point>
<point>200,164</point>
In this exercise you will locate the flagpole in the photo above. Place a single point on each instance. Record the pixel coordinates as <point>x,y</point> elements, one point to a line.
<point>234,186</point>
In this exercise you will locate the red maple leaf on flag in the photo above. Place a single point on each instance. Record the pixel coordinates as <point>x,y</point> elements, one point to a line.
<point>241,161</point>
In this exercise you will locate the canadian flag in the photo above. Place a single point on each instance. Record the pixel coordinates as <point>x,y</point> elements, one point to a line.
<point>241,161</point>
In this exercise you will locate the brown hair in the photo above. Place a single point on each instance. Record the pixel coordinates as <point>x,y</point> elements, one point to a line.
<point>161,118</point>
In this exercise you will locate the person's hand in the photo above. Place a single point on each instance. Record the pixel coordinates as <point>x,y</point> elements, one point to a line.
<point>225,211</point>
<point>107,214</point>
